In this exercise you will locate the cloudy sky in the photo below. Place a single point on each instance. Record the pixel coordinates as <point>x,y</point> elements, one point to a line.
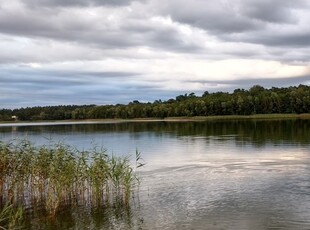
<point>115,51</point>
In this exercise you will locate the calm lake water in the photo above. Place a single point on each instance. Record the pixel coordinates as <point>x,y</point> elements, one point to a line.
<point>242,174</point>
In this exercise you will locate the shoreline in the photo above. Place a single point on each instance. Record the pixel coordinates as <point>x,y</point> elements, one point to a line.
<point>167,119</point>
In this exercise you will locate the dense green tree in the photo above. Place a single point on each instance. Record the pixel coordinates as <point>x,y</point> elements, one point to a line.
<point>256,100</point>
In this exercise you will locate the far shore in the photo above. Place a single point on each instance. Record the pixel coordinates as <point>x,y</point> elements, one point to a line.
<point>168,119</point>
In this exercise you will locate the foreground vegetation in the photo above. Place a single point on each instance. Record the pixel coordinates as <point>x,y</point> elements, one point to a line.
<point>256,100</point>
<point>50,178</point>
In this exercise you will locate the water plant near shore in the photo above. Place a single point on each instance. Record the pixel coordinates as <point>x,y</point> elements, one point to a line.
<point>54,176</point>
<point>10,216</point>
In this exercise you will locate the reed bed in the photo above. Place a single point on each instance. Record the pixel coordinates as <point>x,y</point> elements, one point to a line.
<point>53,176</point>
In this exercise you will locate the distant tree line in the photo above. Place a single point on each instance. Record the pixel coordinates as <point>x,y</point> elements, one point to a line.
<point>61,112</point>
<point>256,100</point>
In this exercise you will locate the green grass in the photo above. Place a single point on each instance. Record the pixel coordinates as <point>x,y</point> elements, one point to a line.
<point>59,175</point>
<point>10,217</point>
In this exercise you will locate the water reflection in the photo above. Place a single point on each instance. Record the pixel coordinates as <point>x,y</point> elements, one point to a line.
<point>233,195</point>
<point>84,217</point>
<point>256,132</point>
<point>251,174</point>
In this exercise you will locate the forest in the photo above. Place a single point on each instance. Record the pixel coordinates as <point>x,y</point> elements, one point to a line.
<point>256,100</point>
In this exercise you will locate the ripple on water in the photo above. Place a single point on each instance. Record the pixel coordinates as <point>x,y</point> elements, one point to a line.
<point>235,195</point>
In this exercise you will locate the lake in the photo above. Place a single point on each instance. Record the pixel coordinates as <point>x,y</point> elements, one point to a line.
<point>219,174</point>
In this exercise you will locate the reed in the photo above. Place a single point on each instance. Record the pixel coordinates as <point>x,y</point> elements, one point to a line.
<point>10,217</point>
<point>56,175</point>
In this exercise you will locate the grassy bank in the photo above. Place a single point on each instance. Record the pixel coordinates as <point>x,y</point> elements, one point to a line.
<point>197,118</point>
<point>53,177</point>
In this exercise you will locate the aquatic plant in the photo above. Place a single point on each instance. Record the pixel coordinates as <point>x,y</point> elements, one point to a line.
<point>53,176</point>
<point>10,216</point>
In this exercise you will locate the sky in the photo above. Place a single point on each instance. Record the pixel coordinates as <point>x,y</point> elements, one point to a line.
<point>60,52</point>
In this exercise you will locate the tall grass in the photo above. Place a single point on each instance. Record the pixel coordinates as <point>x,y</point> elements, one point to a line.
<point>53,176</point>
<point>10,216</point>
